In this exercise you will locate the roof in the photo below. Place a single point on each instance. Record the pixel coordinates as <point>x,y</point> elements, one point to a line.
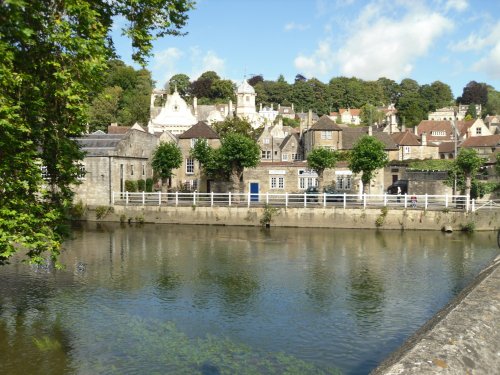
<point>99,144</point>
<point>352,111</point>
<point>199,130</point>
<point>325,123</point>
<point>406,138</point>
<point>287,138</point>
<point>245,88</point>
<point>464,126</point>
<point>447,147</point>
<point>351,135</point>
<point>482,141</point>
<point>115,129</point>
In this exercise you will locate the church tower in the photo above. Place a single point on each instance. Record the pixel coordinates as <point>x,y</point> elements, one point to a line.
<point>245,102</point>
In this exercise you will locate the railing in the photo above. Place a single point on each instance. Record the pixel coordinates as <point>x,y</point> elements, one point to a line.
<point>485,205</point>
<point>421,202</point>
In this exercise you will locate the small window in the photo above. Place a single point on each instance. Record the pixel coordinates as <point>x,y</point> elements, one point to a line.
<point>406,149</point>
<point>277,182</point>
<point>131,170</point>
<point>189,166</point>
<point>143,169</point>
<point>284,157</point>
<point>266,141</point>
<point>478,131</point>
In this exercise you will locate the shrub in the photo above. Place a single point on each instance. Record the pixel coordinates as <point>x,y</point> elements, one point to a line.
<point>141,185</point>
<point>469,227</point>
<point>78,210</point>
<point>149,185</point>
<point>130,186</point>
<point>102,211</point>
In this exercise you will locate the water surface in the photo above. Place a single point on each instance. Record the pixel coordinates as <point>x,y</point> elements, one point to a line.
<point>214,300</point>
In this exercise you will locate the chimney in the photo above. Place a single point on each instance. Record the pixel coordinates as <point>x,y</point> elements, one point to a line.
<point>370,131</point>
<point>195,106</point>
<point>416,129</point>
<point>424,139</point>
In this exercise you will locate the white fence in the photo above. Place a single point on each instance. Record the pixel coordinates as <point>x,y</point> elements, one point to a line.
<point>422,202</point>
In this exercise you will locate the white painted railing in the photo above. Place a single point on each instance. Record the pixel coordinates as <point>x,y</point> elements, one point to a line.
<point>422,202</point>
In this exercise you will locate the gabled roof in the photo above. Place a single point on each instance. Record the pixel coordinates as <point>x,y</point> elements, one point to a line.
<point>352,111</point>
<point>325,123</point>
<point>447,147</point>
<point>115,129</point>
<point>482,141</point>
<point>295,136</point>
<point>406,138</point>
<point>464,126</point>
<point>199,130</point>
<point>351,135</point>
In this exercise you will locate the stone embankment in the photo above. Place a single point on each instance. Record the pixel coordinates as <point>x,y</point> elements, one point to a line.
<point>463,338</point>
<point>330,217</point>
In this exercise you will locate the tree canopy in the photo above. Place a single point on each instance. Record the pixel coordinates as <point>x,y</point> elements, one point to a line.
<point>467,164</point>
<point>366,157</point>
<point>166,157</point>
<point>320,159</point>
<point>53,64</point>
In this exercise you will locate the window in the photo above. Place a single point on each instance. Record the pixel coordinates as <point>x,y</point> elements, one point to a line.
<point>439,133</point>
<point>406,149</point>
<point>284,157</point>
<point>266,141</point>
<point>343,182</point>
<point>193,142</point>
<point>277,182</point>
<point>131,170</point>
<point>478,131</point>
<point>247,98</point>
<point>189,166</point>
<point>143,169</point>
<point>81,171</point>
<point>296,157</point>
<point>266,154</point>
<point>327,134</point>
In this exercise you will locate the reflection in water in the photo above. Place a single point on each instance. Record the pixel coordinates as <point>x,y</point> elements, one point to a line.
<point>199,299</point>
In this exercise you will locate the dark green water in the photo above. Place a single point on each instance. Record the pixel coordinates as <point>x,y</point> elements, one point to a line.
<point>228,300</point>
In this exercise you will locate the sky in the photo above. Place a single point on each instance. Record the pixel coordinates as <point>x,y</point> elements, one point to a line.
<point>452,41</point>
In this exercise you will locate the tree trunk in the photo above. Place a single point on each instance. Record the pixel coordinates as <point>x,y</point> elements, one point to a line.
<point>468,183</point>
<point>320,181</point>
<point>235,184</point>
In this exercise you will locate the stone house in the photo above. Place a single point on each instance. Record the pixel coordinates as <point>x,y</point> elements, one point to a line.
<point>110,160</point>
<point>352,135</point>
<point>286,111</point>
<point>485,145</point>
<point>410,147</point>
<point>324,133</point>
<point>189,177</point>
<point>444,131</point>
<point>451,113</point>
<point>273,139</point>
<point>349,116</point>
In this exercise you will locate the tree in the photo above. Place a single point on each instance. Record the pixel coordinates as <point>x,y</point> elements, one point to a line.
<point>467,164</point>
<point>320,159</point>
<point>53,64</point>
<point>166,157</point>
<point>474,93</point>
<point>255,79</point>
<point>104,108</point>
<point>182,82</point>
<point>366,157</point>
<point>233,125</point>
<point>471,111</point>
<point>371,115</point>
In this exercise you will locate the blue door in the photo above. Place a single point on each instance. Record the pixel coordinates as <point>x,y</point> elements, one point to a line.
<point>254,191</point>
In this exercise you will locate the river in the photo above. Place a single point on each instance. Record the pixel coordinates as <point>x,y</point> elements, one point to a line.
<point>145,299</point>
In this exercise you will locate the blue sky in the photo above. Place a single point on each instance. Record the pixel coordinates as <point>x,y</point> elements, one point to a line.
<point>454,41</point>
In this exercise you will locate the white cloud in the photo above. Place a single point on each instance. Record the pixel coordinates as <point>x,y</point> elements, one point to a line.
<point>295,26</point>
<point>164,64</point>
<point>490,65</point>
<point>472,43</point>
<point>387,47</point>
<point>321,62</point>
<point>458,5</point>
<point>202,62</point>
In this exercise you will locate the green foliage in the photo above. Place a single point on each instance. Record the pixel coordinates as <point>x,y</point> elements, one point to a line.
<point>181,82</point>
<point>166,157</point>
<point>497,165</point>
<point>102,211</point>
<point>78,210</point>
<point>320,159</point>
<point>149,185</point>
<point>371,115</point>
<point>233,125</point>
<point>53,65</point>
<point>46,344</point>
<point>467,163</point>
<point>468,227</point>
<point>431,165</point>
<point>268,214</point>
<point>471,112</point>
<point>141,185</point>
<point>131,186</point>
<point>209,88</point>
<point>380,220</point>
<point>293,123</point>
<point>366,157</point>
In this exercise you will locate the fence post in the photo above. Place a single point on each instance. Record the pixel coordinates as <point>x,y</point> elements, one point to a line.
<point>446,200</point>
<point>112,198</point>
<point>473,207</point>
<point>324,199</point>
<point>229,198</point>
<point>194,198</point>
<point>126,198</point>
<point>305,199</point>
<point>248,199</point>
<point>143,198</point>
<point>426,201</point>
<point>467,203</point>
<point>385,199</point>
<point>286,199</point>
<point>406,201</point>
<point>176,198</point>
<point>267,197</point>
<point>212,199</point>
<point>364,201</point>
<point>159,198</point>
<point>345,200</point>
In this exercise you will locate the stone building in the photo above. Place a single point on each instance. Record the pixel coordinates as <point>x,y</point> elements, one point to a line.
<point>189,177</point>
<point>110,160</point>
<point>410,147</point>
<point>324,133</point>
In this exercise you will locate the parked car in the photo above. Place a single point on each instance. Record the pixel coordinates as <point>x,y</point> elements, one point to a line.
<point>313,194</point>
<point>401,184</point>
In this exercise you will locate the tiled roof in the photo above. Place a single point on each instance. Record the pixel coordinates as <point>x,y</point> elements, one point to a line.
<point>199,130</point>
<point>482,141</point>
<point>287,138</point>
<point>99,144</point>
<point>464,126</point>
<point>447,147</point>
<point>406,138</point>
<point>325,123</point>
<point>352,111</point>
<point>115,129</point>
<point>351,135</point>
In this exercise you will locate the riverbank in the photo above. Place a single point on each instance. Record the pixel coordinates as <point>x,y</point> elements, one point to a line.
<point>331,217</point>
<point>461,339</point>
